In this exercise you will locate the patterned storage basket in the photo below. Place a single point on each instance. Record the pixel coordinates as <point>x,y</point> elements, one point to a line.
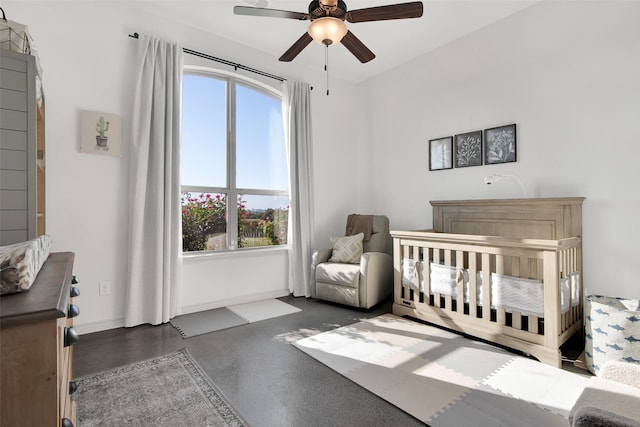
<point>612,329</point>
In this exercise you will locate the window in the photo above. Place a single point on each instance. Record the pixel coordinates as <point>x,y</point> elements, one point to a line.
<point>233,167</point>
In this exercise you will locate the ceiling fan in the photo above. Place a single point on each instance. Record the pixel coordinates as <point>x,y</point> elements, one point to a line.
<point>327,23</point>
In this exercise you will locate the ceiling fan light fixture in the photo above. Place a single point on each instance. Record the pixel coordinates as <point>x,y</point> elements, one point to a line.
<point>327,30</point>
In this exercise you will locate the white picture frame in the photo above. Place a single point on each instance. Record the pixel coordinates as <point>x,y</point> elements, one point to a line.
<point>100,133</point>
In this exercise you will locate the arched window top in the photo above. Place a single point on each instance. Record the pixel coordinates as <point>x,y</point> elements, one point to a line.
<point>238,78</point>
<point>234,174</point>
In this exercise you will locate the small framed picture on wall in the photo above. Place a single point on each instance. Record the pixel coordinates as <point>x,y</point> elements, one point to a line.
<point>500,144</point>
<point>441,153</point>
<point>468,149</point>
<point>100,133</point>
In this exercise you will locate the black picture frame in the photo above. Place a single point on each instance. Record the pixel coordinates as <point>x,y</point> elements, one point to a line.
<point>500,145</point>
<point>468,149</point>
<point>441,153</point>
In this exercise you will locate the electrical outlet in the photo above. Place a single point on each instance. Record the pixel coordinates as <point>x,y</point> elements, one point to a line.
<point>105,288</point>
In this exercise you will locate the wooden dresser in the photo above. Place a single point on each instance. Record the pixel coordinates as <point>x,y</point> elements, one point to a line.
<point>36,339</point>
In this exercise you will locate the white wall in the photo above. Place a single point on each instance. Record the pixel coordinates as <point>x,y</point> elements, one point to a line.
<point>567,74</point>
<point>88,63</point>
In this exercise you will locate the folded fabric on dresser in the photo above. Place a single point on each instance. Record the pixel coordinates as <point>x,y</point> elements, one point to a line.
<point>21,262</point>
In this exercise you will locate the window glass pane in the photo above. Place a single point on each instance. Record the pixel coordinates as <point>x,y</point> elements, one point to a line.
<point>204,221</point>
<point>262,220</point>
<point>203,148</point>
<point>261,154</point>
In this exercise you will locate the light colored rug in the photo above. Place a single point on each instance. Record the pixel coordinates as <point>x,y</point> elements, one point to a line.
<point>444,379</point>
<point>203,322</point>
<point>263,310</point>
<point>170,390</point>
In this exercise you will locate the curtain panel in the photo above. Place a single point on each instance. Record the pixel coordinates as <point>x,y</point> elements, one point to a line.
<point>296,107</point>
<point>154,288</point>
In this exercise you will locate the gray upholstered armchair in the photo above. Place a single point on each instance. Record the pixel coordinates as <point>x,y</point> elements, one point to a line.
<point>357,278</point>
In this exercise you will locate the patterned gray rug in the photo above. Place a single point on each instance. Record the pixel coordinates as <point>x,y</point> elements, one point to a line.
<point>171,390</point>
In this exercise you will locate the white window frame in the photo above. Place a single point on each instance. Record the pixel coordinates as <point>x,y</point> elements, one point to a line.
<point>232,191</point>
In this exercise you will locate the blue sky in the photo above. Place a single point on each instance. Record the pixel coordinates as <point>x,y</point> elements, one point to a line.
<point>261,161</point>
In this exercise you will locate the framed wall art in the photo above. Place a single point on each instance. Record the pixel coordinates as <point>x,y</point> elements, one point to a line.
<point>500,144</point>
<point>441,153</point>
<point>468,149</point>
<point>100,133</point>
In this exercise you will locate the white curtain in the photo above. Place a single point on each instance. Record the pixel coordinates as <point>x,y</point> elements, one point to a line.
<point>154,288</point>
<point>296,107</point>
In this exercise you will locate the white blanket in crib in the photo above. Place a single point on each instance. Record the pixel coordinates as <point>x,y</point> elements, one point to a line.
<point>508,292</point>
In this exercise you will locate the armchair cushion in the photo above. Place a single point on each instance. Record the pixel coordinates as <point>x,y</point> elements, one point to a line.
<point>338,274</point>
<point>347,249</point>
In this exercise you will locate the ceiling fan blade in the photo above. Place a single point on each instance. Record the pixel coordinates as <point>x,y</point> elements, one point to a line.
<point>355,46</point>
<point>296,48</point>
<point>383,13</point>
<point>270,13</point>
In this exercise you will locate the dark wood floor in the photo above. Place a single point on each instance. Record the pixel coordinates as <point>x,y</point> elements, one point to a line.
<point>267,380</point>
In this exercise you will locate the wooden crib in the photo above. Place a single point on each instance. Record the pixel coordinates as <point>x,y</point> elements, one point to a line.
<point>522,239</point>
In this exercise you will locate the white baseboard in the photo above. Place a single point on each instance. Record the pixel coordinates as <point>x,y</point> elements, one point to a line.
<point>89,328</point>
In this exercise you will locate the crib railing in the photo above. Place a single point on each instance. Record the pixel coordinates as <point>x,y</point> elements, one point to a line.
<point>556,263</point>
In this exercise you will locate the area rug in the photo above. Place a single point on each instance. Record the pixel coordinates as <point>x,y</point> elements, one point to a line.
<point>170,390</point>
<point>203,322</point>
<point>445,379</point>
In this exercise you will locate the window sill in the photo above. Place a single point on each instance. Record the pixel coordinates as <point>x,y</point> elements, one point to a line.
<point>189,256</point>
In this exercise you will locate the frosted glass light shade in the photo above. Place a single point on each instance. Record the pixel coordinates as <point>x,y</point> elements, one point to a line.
<point>327,30</point>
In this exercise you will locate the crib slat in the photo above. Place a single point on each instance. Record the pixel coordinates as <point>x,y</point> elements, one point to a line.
<point>405,288</point>
<point>533,324</point>
<point>473,285</point>
<point>524,267</point>
<point>500,264</point>
<point>397,272</point>
<point>416,279</point>
<point>515,267</point>
<point>540,270</point>
<point>486,287</point>
<point>501,317</point>
<point>460,284</point>
<point>436,256</point>
<point>516,320</point>
<point>426,272</point>
<point>447,303</point>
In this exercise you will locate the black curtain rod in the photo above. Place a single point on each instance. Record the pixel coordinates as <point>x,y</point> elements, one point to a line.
<point>236,66</point>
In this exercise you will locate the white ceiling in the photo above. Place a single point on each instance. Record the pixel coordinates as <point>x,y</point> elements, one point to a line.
<point>393,42</point>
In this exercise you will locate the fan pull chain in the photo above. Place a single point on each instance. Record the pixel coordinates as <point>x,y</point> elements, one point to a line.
<point>326,64</point>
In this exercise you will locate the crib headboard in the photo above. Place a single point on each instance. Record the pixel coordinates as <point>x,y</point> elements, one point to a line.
<point>548,218</point>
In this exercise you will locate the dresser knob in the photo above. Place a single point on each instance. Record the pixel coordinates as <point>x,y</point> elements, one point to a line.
<point>74,280</point>
<point>72,311</point>
<point>66,422</point>
<point>75,292</point>
<point>73,386</point>
<point>70,336</point>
